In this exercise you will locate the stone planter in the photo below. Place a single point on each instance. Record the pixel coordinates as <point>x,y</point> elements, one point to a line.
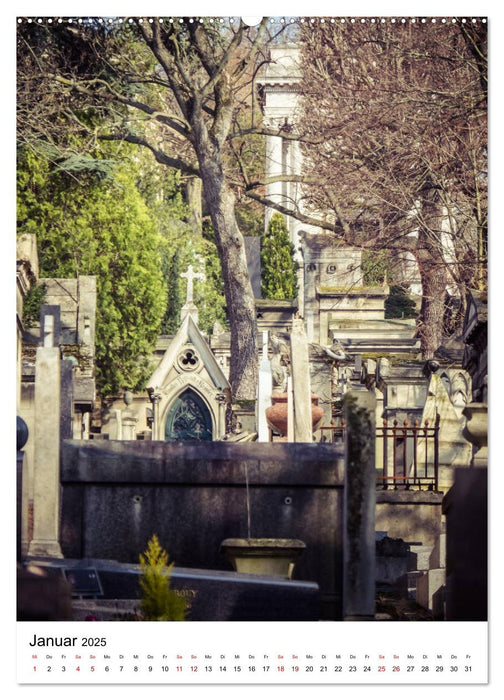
<point>276,414</point>
<point>266,556</point>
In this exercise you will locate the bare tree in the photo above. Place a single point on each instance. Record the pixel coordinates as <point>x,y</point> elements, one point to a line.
<point>401,112</point>
<point>394,132</point>
<point>175,88</point>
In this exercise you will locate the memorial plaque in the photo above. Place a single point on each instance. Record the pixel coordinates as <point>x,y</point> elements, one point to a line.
<point>84,581</point>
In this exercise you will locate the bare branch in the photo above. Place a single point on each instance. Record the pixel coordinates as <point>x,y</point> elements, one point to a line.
<point>159,155</point>
<point>281,132</point>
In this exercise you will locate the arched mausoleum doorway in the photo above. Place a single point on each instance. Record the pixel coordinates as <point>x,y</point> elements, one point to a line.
<point>188,419</point>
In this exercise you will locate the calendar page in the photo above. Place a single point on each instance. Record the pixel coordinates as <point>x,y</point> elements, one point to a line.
<point>252,348</point>
<point>266,653</point>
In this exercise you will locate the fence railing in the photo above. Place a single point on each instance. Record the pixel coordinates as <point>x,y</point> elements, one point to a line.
<point>407,455</point>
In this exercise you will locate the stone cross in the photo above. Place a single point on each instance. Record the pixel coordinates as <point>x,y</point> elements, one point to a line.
<point>190,275</point>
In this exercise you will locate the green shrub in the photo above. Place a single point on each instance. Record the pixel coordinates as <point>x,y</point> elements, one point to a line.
<point>158,601</point>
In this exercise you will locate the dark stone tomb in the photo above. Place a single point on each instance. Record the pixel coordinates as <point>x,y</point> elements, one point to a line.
<point>212,595</point>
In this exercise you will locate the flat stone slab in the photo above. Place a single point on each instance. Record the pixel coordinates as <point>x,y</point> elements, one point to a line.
<point>212,595</point>
<point>260,545</point>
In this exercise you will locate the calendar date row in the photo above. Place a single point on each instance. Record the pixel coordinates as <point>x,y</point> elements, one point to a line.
<point>261,669</point>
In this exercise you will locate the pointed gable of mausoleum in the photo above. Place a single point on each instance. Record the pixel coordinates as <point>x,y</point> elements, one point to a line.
<point>188,389</point>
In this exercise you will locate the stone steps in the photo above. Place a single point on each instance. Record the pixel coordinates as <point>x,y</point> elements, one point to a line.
<point>420,574</point>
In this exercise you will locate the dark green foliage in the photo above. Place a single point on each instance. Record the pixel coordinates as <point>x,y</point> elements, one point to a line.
<point>171,271</point>
<point>398,304</point>
<point>32,303</point>
<point>86,225</point>
<point>201,253</point>
<point>101,168</point>
<point>278,268</point>
<point>159,602</point>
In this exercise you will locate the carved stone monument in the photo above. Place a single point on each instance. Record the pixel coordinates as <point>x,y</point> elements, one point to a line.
<point>300,372</point>
<point>45,540</point>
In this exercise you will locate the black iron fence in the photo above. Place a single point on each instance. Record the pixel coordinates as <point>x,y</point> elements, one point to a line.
<point>407,455</point>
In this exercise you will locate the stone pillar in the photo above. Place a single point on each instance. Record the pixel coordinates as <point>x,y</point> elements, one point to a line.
<point>66,419</point>
<point>155,398</point>
<point>118,420</point>
<point>45,540</point>
<point>221,415</point>
<point>300,371</point>
<point>21,439</point>
<point>264,391</point>
<point>290,411</point>
<point>359,557</point>
<point>129,427</point>
<point>379,418</point>
<point>273,166</point>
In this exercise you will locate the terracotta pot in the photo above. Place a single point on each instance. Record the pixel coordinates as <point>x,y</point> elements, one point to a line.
<point>317,412</point>
<point>276,414</point>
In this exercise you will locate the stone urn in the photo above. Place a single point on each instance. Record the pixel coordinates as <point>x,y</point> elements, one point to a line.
<point>476,431</point>
<point>276,414</point>
<point>476,428</point>
<point>266,556</point>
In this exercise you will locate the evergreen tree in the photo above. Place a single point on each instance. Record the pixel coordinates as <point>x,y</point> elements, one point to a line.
<point>399,304</point>
<point>172,270</point>
<point>87,224</point>
<point>278,268</point>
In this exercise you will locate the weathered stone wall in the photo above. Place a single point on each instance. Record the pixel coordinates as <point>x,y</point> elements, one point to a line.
<point>413,516</point>
<point>116,494</point>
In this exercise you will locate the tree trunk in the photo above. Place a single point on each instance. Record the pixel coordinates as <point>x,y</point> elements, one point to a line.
<point>194,202</point>
<point>238,289</point>
<point>433,275</point>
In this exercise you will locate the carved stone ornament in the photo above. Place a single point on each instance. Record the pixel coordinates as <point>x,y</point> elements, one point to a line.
<point>188,360</point>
